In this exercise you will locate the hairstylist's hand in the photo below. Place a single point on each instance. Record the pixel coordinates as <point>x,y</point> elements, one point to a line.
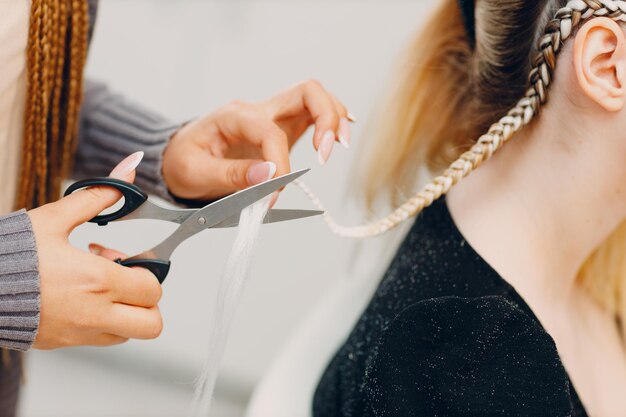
<point>87,299</point>
<point>243,144</point>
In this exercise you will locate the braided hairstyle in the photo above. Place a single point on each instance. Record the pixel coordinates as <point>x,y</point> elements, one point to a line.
<point>452,89</point>
<point>57,51</point>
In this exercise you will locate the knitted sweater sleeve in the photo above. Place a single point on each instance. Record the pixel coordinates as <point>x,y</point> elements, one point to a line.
<point>110,129</point>
<point>19,282</point>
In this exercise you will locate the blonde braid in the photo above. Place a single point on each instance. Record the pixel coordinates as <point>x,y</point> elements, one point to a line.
<point>557,31</point>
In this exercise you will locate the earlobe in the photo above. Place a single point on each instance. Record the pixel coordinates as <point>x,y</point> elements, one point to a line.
<point>600,62</point>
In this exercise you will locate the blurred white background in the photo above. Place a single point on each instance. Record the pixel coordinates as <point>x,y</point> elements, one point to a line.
<point>185,58</point>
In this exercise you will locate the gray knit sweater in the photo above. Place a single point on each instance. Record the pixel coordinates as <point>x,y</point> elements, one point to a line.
<point>111,128</point>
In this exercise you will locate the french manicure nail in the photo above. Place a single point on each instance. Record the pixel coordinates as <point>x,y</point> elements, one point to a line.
<point>128,165</point>
<point>351,117</point>
<point>344,133</point>
<point>326,147</point>
<point>261,172</point>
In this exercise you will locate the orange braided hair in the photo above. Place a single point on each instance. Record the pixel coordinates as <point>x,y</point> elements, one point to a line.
<point>57,51</point>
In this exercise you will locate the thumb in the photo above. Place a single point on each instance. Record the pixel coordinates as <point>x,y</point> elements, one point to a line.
<point>260,172</point>
<point>88,203</point>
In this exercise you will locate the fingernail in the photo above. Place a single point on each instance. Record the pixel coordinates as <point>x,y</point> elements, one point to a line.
<point>274,198</point>
<point>128,165</point>
<point>351,117</point>
<point>95,249</point>
<point>344,133</point>
<point>326,147</point>
<point>261,172</point>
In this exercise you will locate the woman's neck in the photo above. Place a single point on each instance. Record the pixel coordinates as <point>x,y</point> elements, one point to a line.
<point>540,207</point>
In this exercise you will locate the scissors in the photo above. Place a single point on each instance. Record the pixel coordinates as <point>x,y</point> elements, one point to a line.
<point>218,214</point>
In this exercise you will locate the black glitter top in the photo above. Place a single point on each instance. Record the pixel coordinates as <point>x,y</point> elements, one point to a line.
<point>445,335</point>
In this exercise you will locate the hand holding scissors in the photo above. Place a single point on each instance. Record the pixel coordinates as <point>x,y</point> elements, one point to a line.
<point>221,213</point>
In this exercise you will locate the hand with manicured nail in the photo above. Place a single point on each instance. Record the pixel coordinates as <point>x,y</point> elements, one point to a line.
<point>86,299</point>
<point>243,144</point>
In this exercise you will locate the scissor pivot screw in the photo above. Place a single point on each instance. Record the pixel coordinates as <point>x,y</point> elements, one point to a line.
<point>201,220</point>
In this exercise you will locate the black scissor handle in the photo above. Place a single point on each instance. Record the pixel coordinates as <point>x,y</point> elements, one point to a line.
<point>134,197</point>
<point>158,267</point>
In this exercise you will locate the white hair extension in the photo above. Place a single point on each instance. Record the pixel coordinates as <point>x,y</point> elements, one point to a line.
<point>231,285</point>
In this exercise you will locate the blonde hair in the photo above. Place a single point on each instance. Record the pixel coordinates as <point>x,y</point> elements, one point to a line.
<point>56,55</point>
<point>449,92</point>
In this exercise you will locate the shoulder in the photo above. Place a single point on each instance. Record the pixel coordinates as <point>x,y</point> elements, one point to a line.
<point>465,357</point>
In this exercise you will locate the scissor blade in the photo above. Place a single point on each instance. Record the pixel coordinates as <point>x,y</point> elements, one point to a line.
<point>216,212</point>
<point>272,216</point>
<point>233,204</point>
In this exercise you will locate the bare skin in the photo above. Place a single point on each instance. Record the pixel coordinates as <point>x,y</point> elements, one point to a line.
<point>88,300</point>
<point>540,207</point>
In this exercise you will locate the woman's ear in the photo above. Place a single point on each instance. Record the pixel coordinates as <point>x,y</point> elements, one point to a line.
<point>600,62</point>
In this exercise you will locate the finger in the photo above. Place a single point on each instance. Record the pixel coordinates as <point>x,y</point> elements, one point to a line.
<point>110,254</point>
<point>322,109</point>
<point>310,97</point>
<point>342,110</point>
<point>274,199</point>
<point>320,105</point>
<point>254,126</point>
<point>225,176</point>
<point>106,340</point>
<point>134,322</point>
<point>344,133</point>
<point>133,286</point>
<point>83,205</point>
<point>323,112</point>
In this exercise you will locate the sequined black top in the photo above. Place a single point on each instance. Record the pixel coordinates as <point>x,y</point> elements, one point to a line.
<point>445,335</point>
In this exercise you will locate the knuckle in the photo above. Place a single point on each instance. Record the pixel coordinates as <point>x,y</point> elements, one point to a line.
<point>343,110</point>
<point>332,118</point>
<point>280,137</point>
<point>99,281</point>
<point>235,175</point>
<point>185,168</point>
<point>154,328</point>
<point>153,288</point>
<point>237,106</point>
<point>313,85</point>
<point>94,193</point>
<point>158,292</point>
<point>273,133</point>
<point>85,322</point>
<point>96,280</point>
